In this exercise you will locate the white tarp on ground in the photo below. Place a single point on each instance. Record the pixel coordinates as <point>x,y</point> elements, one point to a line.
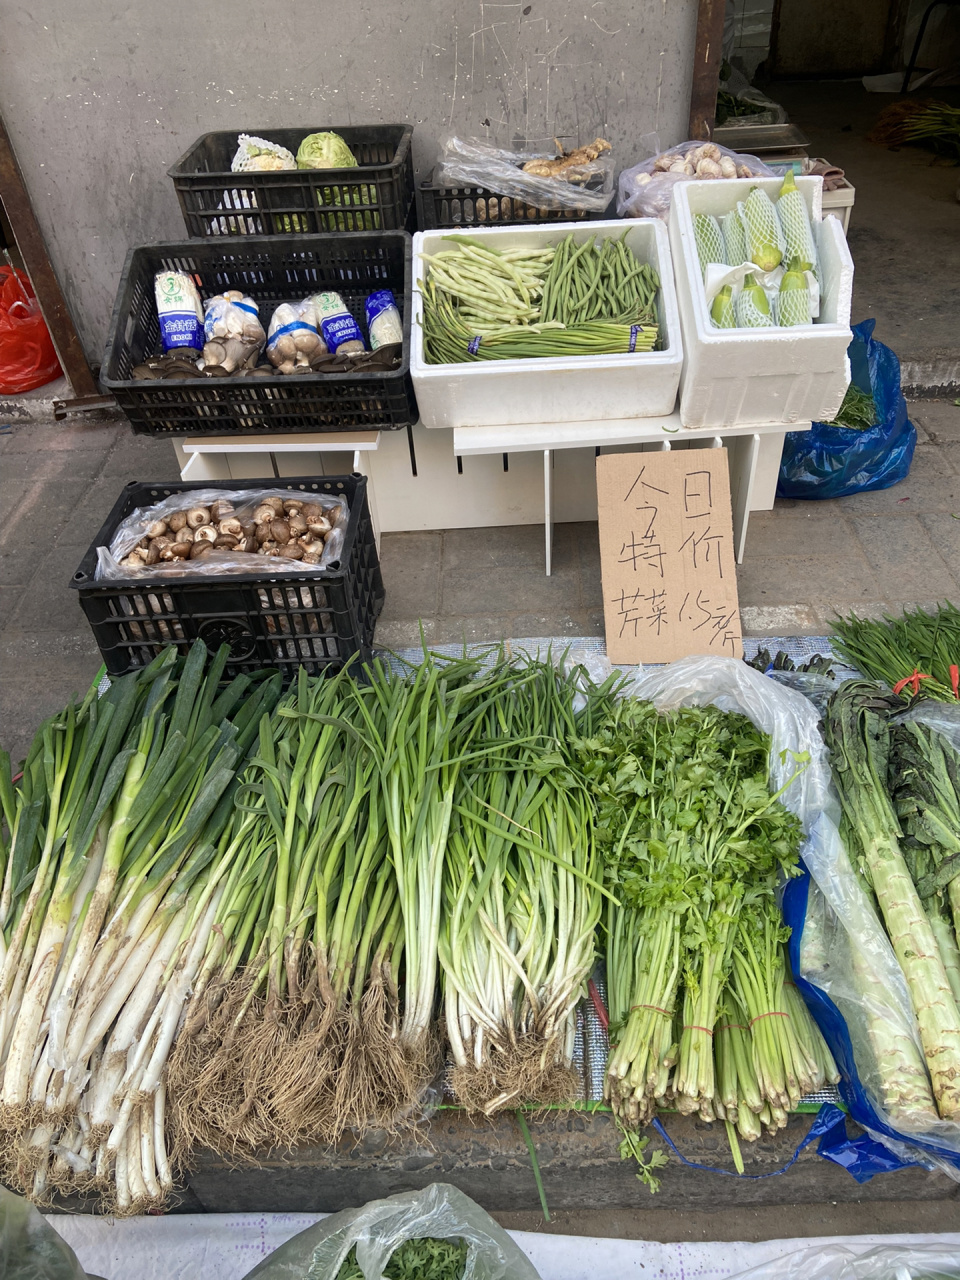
<point>225,1246</point>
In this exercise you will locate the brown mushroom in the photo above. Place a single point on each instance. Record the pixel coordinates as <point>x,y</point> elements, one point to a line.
<point>156,528</point>
<point>153,555</point>
<point>292,551</point>
<point>226,541</point>
<point>180,550</point>
<point>263,513</point>
<point>198,516</point>
<point>200,549</point>
<point>276,503</point>
<point>311,557</point>
<point>221,509</point>
<point>320,527</point>
<point>297,523</point>
<point>280,531</point>
<point>206,533</point>
<point>185,534</point>
<point>249,544</point>
<point>264,532</point>
<point>292,504</point>
<point>177,521</point>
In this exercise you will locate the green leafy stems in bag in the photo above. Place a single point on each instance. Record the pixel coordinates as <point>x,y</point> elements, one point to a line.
<point>423,1259</point>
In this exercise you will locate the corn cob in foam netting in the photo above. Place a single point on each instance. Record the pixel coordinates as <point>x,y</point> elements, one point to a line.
<point>793,300</point>
<point>797,232</point>
<point>765,242</point>
<point>722,312</point>
<point>753,309</point>
<point>709,238</point>
<point>734,237</point>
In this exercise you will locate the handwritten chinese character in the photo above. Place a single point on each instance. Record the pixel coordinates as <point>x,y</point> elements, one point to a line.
<point>631,606</point>
<point>705,549</point>
<point>645,485</point>
<point>645,550</point>
<point>693,495</point>
<point>717,617</point>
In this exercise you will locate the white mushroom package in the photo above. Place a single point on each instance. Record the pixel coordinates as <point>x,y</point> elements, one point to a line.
<point>204,532</point>
<point>293,339</point>
<point>234,334</point>
<point>645,191</point>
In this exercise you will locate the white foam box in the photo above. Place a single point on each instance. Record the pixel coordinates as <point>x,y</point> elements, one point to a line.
<point>563,389</point>
<point>733,377</point>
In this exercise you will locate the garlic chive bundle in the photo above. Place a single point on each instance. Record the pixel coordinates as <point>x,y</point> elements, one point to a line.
<point>753,309</point>
<point>763,232</point>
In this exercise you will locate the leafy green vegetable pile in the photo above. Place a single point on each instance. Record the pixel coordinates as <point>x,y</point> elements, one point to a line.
<point>425,1259</point>
<point>696,847</point>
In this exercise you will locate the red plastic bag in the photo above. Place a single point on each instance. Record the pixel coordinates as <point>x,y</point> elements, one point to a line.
<point>27,357</point>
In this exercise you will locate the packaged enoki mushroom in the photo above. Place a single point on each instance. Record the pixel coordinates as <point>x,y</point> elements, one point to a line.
<point>206,532</point>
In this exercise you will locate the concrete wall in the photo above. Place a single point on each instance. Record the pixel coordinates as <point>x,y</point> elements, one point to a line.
<point>101,96</point>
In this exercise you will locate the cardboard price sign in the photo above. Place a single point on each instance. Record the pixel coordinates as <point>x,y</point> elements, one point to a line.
<point>667,555</point>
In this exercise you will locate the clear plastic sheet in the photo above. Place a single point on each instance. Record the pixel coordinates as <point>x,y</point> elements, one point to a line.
<point>29,1248</point>
<point>379,1227</point>
<point>836,1262</point>
<point>473,162</point>
<point>245,502</point>
<point>646,191</point>
<point>944,717</point>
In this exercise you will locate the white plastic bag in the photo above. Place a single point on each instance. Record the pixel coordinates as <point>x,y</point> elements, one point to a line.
<point>645,191</point>
<point>29,1248</point>
<point>245,501</point>
<point>473,162</point>
<point>234,334</point>
<point>379,1227</point>
<point>837,1262</point>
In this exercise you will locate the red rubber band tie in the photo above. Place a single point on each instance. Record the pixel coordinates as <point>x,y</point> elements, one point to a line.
<point>955,680</point>
<point>773,1013</point>
<point>667,1013</point>
<point>689,1026</point>
<point>913,681</point>
<point>733,1026</point>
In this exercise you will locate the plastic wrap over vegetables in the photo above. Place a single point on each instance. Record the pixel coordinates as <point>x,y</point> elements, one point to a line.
<point>234,334</point>
<point>206,532</point>
<point>645,191</point>
<point>378,1229</point>
<point>579,180</point>
<point>921,1261</point>
<point>29,1248</point>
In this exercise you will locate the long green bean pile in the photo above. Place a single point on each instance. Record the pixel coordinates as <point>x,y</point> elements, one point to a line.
<point>582,298</point>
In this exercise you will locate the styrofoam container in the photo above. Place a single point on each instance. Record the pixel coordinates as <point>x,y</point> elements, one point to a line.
<point>736,376</point>
<point>562,389</point>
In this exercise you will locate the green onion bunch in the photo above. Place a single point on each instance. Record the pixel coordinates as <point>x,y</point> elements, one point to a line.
<point>114,874</point>
<point>521,901</point>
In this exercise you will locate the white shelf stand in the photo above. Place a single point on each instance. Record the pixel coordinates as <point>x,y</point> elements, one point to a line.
<point>754,456</point>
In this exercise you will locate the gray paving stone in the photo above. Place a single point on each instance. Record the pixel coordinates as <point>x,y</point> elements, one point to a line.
<point>944,531</point>
<point>410,563</point>
<point>48,603</point>
<point>80,433</point>
<point>796,531</point>
<point>907,562</point>
<point>939,419</point>
<point>808,580</point>
<point>932,485</point>
<point>513,546</point>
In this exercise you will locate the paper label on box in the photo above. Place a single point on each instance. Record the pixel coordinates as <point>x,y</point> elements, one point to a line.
<point>667,557</point>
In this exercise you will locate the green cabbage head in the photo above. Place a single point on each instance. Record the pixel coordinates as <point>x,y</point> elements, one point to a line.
<point>325,151</point>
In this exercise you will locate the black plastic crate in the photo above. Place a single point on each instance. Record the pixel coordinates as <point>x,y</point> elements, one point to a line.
<point>478,207</point>
<point>375,196</point>
<point>271,270</point>
<point>271,617</point>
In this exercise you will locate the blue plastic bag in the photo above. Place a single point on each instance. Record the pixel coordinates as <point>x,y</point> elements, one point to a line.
<point>833,462</point>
